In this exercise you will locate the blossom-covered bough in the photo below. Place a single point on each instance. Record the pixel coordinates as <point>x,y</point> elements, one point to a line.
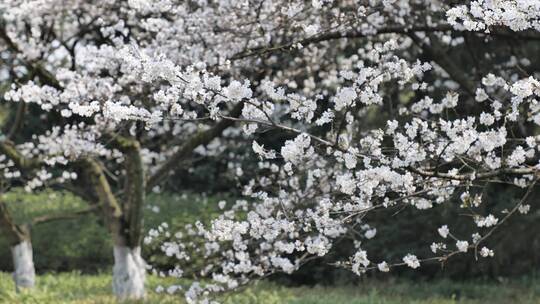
<point>378,111</point>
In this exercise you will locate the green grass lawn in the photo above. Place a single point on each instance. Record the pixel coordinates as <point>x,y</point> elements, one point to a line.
<point>76,288</point>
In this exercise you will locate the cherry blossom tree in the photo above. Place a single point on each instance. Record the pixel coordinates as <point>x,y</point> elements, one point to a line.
<point>444,130</point>
<point>101,134</point>
<point>130,88</point>
<point>17,235</point>
<point>16,169</point>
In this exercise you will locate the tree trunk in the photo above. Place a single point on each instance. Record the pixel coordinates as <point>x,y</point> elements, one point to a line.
<point>24,273</point>
<point>21,249</point>
<point>124,224</point>
<point>129,273</point>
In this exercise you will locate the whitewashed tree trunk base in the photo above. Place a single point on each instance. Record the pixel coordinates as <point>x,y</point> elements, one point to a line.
<point>23,263</point>
<point>129,273</point>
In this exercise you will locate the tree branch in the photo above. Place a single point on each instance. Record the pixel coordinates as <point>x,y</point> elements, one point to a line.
<point>14,233</point>
<point>354,34</point>
<point>8,148</point>
<point>437,55</point>
<point>62,216</point>
<point>471,176</point>
<point>338,35</point>
<point>19,120</point>
<point>201,138</point>
<point>35,67</point>
<point>93,173</point>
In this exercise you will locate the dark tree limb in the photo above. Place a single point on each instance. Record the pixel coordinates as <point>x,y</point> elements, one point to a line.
<point>62,216</point>
<point>479,175</point>
<point>257,51</point>
<point>34,67</point>
<point>19,120</point>
<point>185,150</point>
<point>93,173</point>
<point>354,34</point>
<point>13,232</point>
<point>435,52</point>
<point>23,163</point>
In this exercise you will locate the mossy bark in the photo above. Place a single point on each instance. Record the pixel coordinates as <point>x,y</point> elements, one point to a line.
<point>124,220</point>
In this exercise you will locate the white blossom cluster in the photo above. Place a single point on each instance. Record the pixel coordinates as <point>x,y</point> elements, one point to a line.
<point>484,15</point>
